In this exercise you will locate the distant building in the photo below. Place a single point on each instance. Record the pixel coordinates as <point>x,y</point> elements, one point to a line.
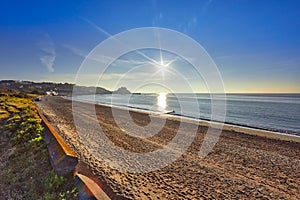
<point>51,93</point>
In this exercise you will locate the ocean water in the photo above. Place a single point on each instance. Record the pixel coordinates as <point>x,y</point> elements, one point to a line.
<point>275,112</point>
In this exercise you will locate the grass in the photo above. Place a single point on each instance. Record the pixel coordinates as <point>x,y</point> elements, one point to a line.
<point>25,169</point>
<point>3,114</point>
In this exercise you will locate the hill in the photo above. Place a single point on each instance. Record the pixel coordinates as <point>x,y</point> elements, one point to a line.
<point>29,87</point>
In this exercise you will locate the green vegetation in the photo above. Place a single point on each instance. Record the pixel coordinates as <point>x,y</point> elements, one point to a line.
<point>25,169</point>
<point>28,87</point>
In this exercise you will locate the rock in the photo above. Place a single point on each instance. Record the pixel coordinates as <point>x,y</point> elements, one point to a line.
<point>122,90</point>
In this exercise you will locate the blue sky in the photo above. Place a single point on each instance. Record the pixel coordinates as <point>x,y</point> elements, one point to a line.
<point>255,44</point>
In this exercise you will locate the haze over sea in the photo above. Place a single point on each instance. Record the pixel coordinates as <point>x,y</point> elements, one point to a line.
<point>275,112</point>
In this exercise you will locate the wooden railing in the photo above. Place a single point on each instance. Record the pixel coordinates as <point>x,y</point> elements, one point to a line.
<point>62,157</point>
<point>65,161</point>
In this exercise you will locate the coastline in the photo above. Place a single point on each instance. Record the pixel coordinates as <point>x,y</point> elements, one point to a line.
<point>240,165</point>
<point>257,131</point>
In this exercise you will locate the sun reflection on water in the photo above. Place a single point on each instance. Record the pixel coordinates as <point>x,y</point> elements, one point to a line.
<point>162,101</point>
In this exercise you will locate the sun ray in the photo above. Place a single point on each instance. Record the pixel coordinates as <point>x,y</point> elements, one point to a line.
<point>159,70</point>
<point>147,57</point>
<point>171,61</point>
<point>161,57</point>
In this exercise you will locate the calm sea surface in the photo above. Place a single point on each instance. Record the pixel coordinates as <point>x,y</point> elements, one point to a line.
<point>276,112</point>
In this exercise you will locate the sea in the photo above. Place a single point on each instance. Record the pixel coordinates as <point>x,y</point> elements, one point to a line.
<point>273,112</point>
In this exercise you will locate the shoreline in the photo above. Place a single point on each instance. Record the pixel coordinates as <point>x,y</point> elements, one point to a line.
<point>244,129</point>
<point>239,165</point>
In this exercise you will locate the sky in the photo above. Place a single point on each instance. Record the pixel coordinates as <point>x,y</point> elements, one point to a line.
<point>254,44</point>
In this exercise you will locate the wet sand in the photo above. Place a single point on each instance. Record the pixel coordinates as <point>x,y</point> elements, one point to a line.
<point>239,166</point>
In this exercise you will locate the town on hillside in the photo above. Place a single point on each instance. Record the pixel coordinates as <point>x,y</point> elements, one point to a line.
<point>50,88</point>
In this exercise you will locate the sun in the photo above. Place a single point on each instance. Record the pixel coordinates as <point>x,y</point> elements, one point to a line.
<point>162,65</point>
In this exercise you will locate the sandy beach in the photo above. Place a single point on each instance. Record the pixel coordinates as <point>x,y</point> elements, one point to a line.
<point>254,165</point>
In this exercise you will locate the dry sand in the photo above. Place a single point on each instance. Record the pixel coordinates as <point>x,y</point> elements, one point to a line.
<point>243,166</point>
